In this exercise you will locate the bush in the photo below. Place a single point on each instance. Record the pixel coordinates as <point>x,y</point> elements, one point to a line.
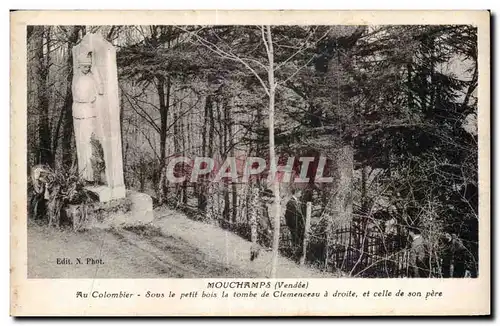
<point>56,190</point>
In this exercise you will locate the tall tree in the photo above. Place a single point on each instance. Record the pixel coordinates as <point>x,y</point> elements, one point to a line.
<point>67,132</point>
<point>43,49</point>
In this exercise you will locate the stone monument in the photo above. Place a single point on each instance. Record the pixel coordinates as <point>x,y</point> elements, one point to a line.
<point>96,117</point>
<point>96,111</point>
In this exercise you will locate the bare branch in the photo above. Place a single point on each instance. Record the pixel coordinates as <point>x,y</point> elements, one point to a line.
<point>264,38</point>
<point>297,71</point>
<point>142,114</point>
<point>301,48</point>
<point>227,55</point>
<point>308,61</point>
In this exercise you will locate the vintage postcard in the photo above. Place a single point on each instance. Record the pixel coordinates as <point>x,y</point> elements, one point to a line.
<point>250,163</point>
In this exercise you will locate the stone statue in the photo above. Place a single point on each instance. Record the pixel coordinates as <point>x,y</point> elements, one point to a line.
<point>87,86</point>
<point>96,116</point>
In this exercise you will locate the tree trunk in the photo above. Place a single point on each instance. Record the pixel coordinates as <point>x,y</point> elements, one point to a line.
<point>234,199</point>
<point>275,213</point>
<point>232,141</point>
<point>177,148</point>
<point>253,212</point>
<point>342,199</point>
<point>223,155</point>
<point>67,132</point>
<point>44,131</point>
<point>307,225</point>
<point>210,152</point>
<point>364,190</point>
<point>186,144</point>
<point>183,135</point>
<point>164,100</point>
<point>202,197</point>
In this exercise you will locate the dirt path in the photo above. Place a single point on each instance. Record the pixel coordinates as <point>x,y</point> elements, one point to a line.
<point>173,247</point>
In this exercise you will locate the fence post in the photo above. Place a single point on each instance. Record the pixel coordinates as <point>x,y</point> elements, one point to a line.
<point>306,233</point>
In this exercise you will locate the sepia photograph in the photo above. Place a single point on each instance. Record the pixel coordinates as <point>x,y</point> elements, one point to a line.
<point>248,151</point>
<point>251,157</point>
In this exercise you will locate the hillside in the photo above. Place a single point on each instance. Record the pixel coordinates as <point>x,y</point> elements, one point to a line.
<point>173,246</point>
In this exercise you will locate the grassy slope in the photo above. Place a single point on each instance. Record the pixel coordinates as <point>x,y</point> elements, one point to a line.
<point>173,247</point>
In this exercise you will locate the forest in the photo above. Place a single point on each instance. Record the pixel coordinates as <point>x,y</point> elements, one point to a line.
<point>393,109</point>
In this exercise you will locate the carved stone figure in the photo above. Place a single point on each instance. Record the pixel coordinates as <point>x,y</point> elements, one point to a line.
<point>96,113</point>
<point>87,86</point>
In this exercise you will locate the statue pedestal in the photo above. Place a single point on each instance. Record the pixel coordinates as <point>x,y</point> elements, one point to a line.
<point>107,193</point>
<point>130,209</point>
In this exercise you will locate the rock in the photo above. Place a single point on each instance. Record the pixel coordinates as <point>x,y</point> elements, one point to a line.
<point>141,209</point>
<point>135,209</point>
<point>106,194</point>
